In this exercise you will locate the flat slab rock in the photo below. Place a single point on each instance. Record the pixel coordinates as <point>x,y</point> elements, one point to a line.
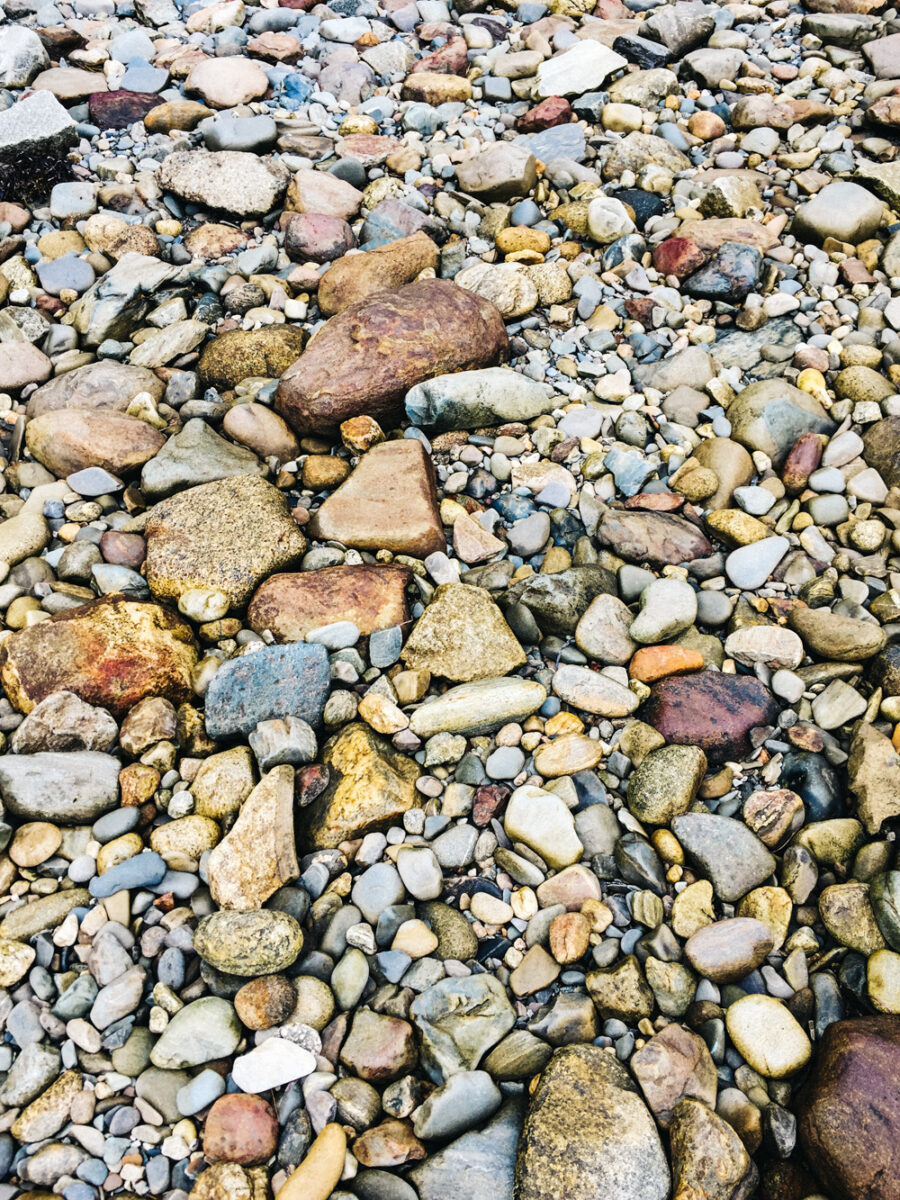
<point>292,603</point>
<point>711,710</point>
<point>655,538</point>
<point>111,652</point>
<point>367,358</point>
<point>229,180</point>
<point>279,681</point>
<point>389,502</point>
<point>68,789</point>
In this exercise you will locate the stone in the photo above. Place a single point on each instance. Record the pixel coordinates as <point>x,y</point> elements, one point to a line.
<point>356,277</point>
<point>727,951</point>
<point>542,821</point>
<point>775,647</point>
<point>103,384</point>
<point>471,398</point>
<point>846,1113</point>
<point>322,192</point>
<point>388,502</point>
<point>665,783</point>
<point>109,652</point>
<point>880,442</point>
<point>291,605</point>
<point>202,1031</point>
<point>195,455</point>
<point>583,68</point>
<point>70,439</point>
<point>484,1157</point>
<point>500,171</point>
<point>22,57</point>
<point>37,124</point>
<point>770,415</point>
<point>367,358</point>
<point>21,364</point>
<point>320,1171</point>
<point>370,787</point>
<point>459,1020</point>
<point>249,943</point>
<point>726,850</point>
<point>711,710</point>
<point>379,1048</point>
<point>22,536</point>
<point>654,538</point>
<point>835,637</point>
<point>672,1066</point>
<point>586,1100</point>
<point>229,535</point>
<point>277,681</point>
<point>48,1113</point>
<point>46,912</point>
<point>69,789</point>
<point>768,1036</point>
<point>462,636</point>
<point>594,691</point>
<point>119,300</point>
<point>841,210</point>
<point>708,1157</point>
<point>257,856</point>
<point>234,181</point>
<point>479,707</point>
<point>873,773</point>
<point>241,353</point>
<point>602,631</point>
<point>240,1128</point>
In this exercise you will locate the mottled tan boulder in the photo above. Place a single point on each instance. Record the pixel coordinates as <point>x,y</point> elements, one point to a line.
<point>69,439</point>
<point>210,240</point>
<point>462,635</point>
<point>372,785</point>
<point>367,358</point>
<point>262,431</point>
<point>258,855</point>
<point>227,535</point>
<point>355,277</point>
<point>104,384</point>
<point>111,652</point>
<point>322,192</point>
<point>873,773</point>
<point>291,604</point>
<point>388,503</point>
<point>242,353</point>
<point>708,1157</point>
<point>672,1065</point>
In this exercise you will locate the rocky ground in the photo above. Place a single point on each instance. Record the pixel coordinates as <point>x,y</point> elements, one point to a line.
<point>454,755</point>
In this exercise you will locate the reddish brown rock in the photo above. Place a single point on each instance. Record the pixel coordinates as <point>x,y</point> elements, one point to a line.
<point>449,59</point>
<point>678,256</point>
<point>803,458</point>
<point>672,1065</point>
<point>357,276</point>
<point>292,604</point>
<point>240,1128</point>
<point>849,1112</point>
<point>389,1144</point>
<point>555,110</point>
<point>657,538</point>
<point>70,439</point>
<point>389,502</point>
<point>885,111</point>
<point>711,234</point>
<point>121,109</point>
<point>265,1002</point>
<point>379,1048</point>
<point>367,358</point>
<point>317,237</point>
<point>111,652</point>
<point>123,549</point>
<point>711,710</point>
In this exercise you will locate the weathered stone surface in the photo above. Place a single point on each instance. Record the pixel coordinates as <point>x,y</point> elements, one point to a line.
<point>195,455</point>
<point>462,636</point>
<point>459,1021</point>
<point>290,605</point>
<point>726,850</point>
<point>242,353</point>
<point>257,856</point>
<point>70,789</point>
<point>367,358</point>
<point>479,707</point>
<point>708,1157</point>
<point>654,538</point>
<point>848,1115</point>
<point>389,502</point>
<point>66,440</point>
<point>673,1065</point>
<point>278,681</point>
<point>261,941</point>
<point>227,535</point>
<point>873,774</point>
<point>711,710</point>
<point>371,786</point>
<point>104,384</point>
<point>231,180</point>
<point>472,398</point>
<point>771,414</point>
<point>588,1133</point>
<point>356,277</point>
<point>111,652</point>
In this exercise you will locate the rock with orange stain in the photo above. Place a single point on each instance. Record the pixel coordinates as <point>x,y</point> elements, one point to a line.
<point>656,662</point>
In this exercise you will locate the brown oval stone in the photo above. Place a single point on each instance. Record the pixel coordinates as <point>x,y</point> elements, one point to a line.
<point>317,237</point>
<point>678,256</point>
<point>240,1128</point>
<point>71,439</point>
<point>367,358</point>
<point>291,604</point>
<point>773,815</point>
<point>384,269</point>
<point>265,1002</point>
<point>123,549</point>
<point>803,458</point>
<point>849,1113</point>
<point>711,710</point>
<point>33,843</point>
<point>728,950</point>
<point>651,663</point>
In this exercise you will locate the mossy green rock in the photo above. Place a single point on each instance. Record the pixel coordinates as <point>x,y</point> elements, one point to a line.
<point>259,942</point>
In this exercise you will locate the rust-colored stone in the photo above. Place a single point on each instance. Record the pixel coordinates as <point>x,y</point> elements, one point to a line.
<point>292,604</point>
<point>367,358</point>
<point>656,662</point>
<point>356,277</point>
<point>803,458</point>
<point>711,710</point>
<point>240,1128</point>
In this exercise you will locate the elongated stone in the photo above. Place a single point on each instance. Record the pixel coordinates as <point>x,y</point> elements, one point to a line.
<point>480,707</point>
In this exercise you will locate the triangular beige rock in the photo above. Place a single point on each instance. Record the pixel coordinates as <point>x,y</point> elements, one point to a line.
<point>258,856</point>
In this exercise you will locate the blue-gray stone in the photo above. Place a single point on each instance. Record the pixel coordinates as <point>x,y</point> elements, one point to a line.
<point>66,273</point>
<point>142,870</point>
<point>114,824</point>
<point>560,141</point>
<point>93,481</point>
<point>111,578</point>
<point>385,646</point>
<point>279,681</point>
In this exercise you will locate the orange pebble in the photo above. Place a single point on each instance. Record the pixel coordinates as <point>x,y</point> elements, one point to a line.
<point>706,125</point>
<point>896,738</point>
<point>656,662</point>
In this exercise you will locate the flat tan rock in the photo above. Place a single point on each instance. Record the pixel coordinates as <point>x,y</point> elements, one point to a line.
<point>388,503</point>
<point>258,855</point>
<point>293,603</point>
<point>355,277</point>
<point>462,635</point>
<point>70,439</point>
<point>105,384</point>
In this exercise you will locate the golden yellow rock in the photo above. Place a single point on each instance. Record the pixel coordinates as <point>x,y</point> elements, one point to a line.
<point>562,722</point>
<point>371,786</point>
<point>183,841</point>
<point>34,842</point>
<point>258,855</point>
<point>736,528</point>
<point>772,906</point>
<point>223,783</point>
<point>810,380</point>
<point>320,1172</point>
<point>693,908</point>
<point>566,755</point>
<point>118,850</point>
<point>520,237</point>
<point>382,714</point>
<point>46,1115</point>
<point>15,960</point>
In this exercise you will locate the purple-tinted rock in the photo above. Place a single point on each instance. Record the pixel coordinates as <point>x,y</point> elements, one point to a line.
<point>392,219</point>
<point>711,710</point>
<point>731,274</point>
<point>317,237</point>
<point>653,537</point>
<point>121,109</point>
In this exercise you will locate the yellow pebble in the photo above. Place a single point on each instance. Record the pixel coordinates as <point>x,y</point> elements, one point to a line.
<point>118,850</point>
<point>320,1172</point>
<point>563,722</point>
<point>810,380</point>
